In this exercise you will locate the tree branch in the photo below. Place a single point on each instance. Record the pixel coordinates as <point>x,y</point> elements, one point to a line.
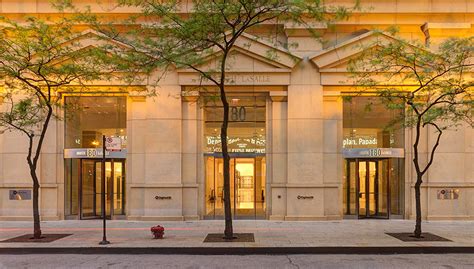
<point>440,132</point>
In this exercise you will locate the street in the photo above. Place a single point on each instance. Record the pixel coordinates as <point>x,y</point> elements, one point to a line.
<point>250,261</point>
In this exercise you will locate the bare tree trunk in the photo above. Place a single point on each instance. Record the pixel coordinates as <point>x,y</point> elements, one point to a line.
<point>228,231</point>
<point>417,231</point>
<point>36,213</point>
<point>419,175</point>
<point>32,163</point>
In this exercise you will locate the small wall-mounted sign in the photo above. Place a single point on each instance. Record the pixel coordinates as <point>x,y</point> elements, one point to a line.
<point>162,197</point>
<point>305,197</point>
<point>359,141</point>
<point>20,194</point>
<point>448,194</point>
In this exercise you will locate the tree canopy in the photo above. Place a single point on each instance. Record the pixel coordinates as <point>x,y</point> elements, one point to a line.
<point>434,86</point>
<point>37,59</point>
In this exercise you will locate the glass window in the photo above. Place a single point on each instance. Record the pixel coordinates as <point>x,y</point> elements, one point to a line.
<point>397,186</point>
<point>72,187</point>
<point>246,131</point>
<point>87,118</point>
<point>368,123</point>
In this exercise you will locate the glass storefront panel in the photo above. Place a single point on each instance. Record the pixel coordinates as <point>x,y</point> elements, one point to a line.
<point>397,193</point>
<point>369,124</point>
<point>382,187</point>
<point>87,119</point>
<point>90,190</point>
<point>260,181</point>
<point>371,180</point>
<point>211,196</point>
<point>71,187</point>
<point>349,186</point>
<point>246,143</point>
<point>247,187</point>
<point>118,188</point>
<point>246,130</point>
<point>84,185</point>
<point>362,193</point>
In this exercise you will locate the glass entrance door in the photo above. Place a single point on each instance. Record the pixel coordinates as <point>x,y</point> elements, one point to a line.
<point>244,188</point>
<point>367,188</point>
<point>247,187</point>
<point>90,186</point>
<point>372,188</point>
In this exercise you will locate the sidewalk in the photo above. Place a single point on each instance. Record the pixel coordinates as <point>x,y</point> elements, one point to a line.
<point>350,234</point>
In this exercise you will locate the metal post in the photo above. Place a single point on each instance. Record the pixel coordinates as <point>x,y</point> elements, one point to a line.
<point>104,216</point>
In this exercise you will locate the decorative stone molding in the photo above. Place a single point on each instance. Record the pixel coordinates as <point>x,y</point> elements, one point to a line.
<point>190,96</point>
<point>138,98</point>
<point>249,65</point>
<point>279,96</point>
<point>331,96</point>
<point>292,29</point>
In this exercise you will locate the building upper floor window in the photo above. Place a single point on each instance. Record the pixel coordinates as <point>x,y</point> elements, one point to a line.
<point>87,118</point>
<point>368,123</point>
<point>246,130</point>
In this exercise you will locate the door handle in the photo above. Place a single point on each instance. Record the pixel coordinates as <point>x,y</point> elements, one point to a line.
<point>360,194</point>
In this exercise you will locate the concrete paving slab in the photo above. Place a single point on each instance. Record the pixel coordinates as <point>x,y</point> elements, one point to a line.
<point>315,235</point>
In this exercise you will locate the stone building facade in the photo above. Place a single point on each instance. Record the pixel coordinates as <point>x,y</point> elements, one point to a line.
<point>299,151</point>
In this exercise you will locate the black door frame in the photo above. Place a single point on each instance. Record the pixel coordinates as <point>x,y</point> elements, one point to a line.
<point>254,159</point>
<point>367,186</point>
<point>110,194</point>
<point>234,156</point>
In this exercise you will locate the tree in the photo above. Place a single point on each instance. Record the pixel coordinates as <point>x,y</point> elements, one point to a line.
<point>171,38</point>
<point>37,60</point>
<point>434,87</point>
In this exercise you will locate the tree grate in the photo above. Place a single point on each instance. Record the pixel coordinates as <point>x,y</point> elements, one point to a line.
<point>28,238</point>
<point>238,237</point>
<point>409,237</point>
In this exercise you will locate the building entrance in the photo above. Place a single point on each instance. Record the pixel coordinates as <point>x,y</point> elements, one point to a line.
<point>247,187</point>
<point>369,188</point>
<point>90,183</point>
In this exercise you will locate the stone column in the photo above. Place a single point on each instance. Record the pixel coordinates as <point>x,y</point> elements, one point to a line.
<point>191,140</point>
<point>332,156</point>
<point>277,157</point>
<point>305,197</point>
<point>135,163</point>
<point>156,149</point>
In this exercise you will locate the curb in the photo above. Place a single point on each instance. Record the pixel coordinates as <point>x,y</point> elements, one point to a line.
<point>240,250</point>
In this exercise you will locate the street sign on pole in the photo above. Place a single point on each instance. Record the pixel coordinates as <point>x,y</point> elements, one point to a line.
<point>104,215</point>
<point>113,143</point>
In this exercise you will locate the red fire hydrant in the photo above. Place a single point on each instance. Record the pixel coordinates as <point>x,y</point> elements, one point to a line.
<point>158,231</point>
